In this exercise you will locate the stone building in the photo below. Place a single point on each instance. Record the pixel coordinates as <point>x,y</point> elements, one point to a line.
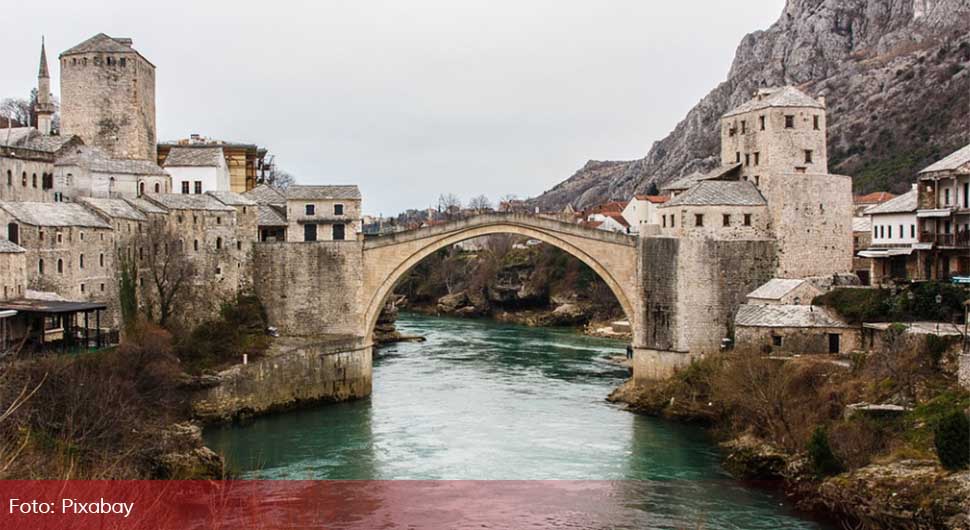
<point>793,329</point>
<point>323,213</point>
<point>718,209</point>
<point>247,232</point>
<point>13,270</point>
<point>246,163</point>
<point>197,169</point>
<point>69,249</point>
<point>642,210</point>
<point>271,222</point>
<point>85,171</point>
<point>944,217</point>
<point>784,292</point>
<point>108,97</point>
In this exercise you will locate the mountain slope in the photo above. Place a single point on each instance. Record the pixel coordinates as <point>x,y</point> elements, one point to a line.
<point>895,74</point>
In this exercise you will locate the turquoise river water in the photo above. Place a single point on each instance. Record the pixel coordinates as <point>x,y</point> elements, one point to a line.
<point>486,401</point>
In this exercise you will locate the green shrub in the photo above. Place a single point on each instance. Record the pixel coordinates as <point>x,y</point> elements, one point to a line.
<point>239,329</point>
<point>820,455</point>
<point>952,440</point>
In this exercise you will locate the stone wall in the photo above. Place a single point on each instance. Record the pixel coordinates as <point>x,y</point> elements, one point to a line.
<point>964,371</point>
<point>310,289</point>
<point>21,179</point>
<point>13,275</point>
<point>323,217</point>
<point>797,341</point>
<point>111,106</point>
<point>294,372</point>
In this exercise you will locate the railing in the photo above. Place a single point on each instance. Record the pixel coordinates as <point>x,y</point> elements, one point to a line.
<point>959,239</point>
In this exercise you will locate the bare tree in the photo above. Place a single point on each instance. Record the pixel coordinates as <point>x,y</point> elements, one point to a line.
<point>17,111</point>
<point>278,178</point>
<point>507,202</point>
<point>449,204</point>
<point>169,270</point>
<point>480,204</point>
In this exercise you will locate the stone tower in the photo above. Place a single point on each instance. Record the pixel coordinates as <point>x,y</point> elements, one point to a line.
<point>45,104</point>
<point>108,97</point>
<point>779,140</point>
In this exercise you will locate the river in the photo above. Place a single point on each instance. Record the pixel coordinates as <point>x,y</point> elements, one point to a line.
<point>487,401</point>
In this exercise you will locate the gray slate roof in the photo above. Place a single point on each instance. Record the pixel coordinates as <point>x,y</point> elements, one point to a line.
<point>775,289</point>
<point>194,157</point>
<point>100,43</point>
<point>96,160</point>
<point>230,198</point>
<point>31,138</point>
<point>264,194</point>
<point>114,208</point>
<point>348,192</point>
<point>719,193</point>
<point>145,206</point>
<point>7,247</point>
<point>861,224</point>
<point>178,201</point>
<point>788,96</point>
<point>270,216</point>
<point>905,203</point>
<point>788,316</point>
<point>53,214</point>
<point>683,183</point>
<point>954,161</point>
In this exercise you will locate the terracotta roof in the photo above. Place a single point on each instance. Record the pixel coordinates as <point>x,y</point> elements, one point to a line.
<point>298,192</point>
<point>954,161</point>
<point>94,159</point>
<point>194,157</point>
<point>873,198</point>
<point>53,214</point>
<point>719,193</point>
<point>114,208</point>
<point>618,217</point>
<point>905,203</point>
<point>788,96</point>
<point>655,199</point>
<point>593,224</point>
<point>788,316</point>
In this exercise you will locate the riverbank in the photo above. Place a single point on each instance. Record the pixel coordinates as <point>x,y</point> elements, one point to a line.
<point>794,423</point>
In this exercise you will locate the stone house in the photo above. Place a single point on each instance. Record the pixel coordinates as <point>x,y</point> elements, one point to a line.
<point>793,330</point>
<point>643,210</point>
<point>944,217</point>
<point>781,291</point>
<point>69,249</point>
<point>27,163</point>
<point>718,209</point>
<point>244,162</point>
<point>861,203</point>
<point>323,213</point>
<point>85,171</point>
<point>247,232</point>
<point>197,169</point>
<point>271,221</point>
<point>13,270</point>
<point>893,234</point>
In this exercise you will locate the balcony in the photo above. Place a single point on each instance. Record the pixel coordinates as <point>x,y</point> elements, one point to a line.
<point>960,239</point>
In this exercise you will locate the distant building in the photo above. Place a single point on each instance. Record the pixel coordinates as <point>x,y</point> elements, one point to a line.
<point>863,202</point>
<point>893,230</point>
<point>643,210</point>
<point>780,291</point>
<point>793,329</point>
<point>323,213</point>
<point>197,169</point>
<point>944,217</point>
<point>244,163</point>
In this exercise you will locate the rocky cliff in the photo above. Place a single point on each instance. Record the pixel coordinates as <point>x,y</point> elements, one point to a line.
<point>895,74</point>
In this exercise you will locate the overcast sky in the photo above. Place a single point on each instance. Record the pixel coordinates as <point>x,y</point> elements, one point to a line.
<point>412,98</point>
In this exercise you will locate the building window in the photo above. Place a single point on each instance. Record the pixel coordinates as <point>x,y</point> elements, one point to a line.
<point>776,340</point>
<point>40,235</point>
<point>102,287</point>
<point>890,231</point>
<point>158,188</point>
<point>101,260</point>
<point>789,121</point>
<point>747,159</point>
<point>757,158</point>
<point>218,243</point>
<point>238,245</point>
<point>946,195</point>
<point>33,179</point>
<point>81,261</point>
<point>737,157</point>
<point>310,209</point>
<point>747,219</point>
<point>339,232</point>
<point>82,288</point>
<point>23,179</point>
<point>731,130</point>
<point>60,266</point>
<point>761,120</point>
<point>815,123</point>
<point>218,271</point>
<point>744,127</point>
<point>141,188</point>
<point>195,245</point>
<point>338,209</point>
<point>185,187</point>
<point>912,231</point>
<point>726,220</point>
<point>757,180</point>
<point>218,220</point>
<point>664,221</point>
<point>60,237</point>
<point>40,266</point>
<point>808,156</point>
<point>198,187</point>
<point>309,232</point>
<point>902,233</point>
<point>698,219</point>
<point>673,219</point>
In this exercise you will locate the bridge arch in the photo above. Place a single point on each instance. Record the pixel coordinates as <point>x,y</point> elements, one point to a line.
<point>388,258</point>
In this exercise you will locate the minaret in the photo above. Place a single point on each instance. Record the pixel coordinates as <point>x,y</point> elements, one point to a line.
<point>45,105</point>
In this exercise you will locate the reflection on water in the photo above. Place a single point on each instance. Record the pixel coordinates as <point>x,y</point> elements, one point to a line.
<point>486,401</point>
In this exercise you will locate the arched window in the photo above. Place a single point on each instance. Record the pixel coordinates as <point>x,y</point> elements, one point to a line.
<point>23,179</point>
<point>82,287</point>
<point>81,261</point>
<point>34,180</point>
<point>158,188</point>
<point>9,178</point>
<point>101,260</point>
<point>60,266</point>
<point>40,266</point>
<point>218,243</point>
<point>141,188</point>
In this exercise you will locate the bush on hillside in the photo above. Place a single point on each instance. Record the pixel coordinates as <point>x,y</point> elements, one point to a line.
<point>820,454</point>
<point>240,329</point>
<point>952,440</point>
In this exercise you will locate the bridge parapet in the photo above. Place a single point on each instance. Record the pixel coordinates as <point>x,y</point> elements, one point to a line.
<point>537,222</point>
